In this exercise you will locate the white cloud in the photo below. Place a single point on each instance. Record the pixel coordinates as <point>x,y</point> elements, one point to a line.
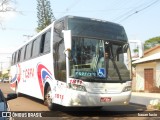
<point>6,16</point>
<point>7,50</point>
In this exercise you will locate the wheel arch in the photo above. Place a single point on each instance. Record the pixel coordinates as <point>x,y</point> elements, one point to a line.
<point>45,88</point>
<point>47,84</point>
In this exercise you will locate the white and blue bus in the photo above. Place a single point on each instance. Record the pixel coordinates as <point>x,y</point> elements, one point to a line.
<point>75,61</point>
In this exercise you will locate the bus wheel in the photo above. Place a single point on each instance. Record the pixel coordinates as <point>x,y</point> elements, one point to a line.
<point>48,98</point>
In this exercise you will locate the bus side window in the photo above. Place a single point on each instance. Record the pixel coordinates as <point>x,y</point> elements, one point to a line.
<point>28,51</point>
<point>59,57</point>
<point>25,57</point>
<point>45,42</point>
<point>60,61</point>
<point>36,47</point>
<point>19,54</point>
<point>15,56</point>
<point>22,54</point>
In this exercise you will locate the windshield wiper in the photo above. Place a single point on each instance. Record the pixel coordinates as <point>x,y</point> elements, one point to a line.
<point>115,65</point>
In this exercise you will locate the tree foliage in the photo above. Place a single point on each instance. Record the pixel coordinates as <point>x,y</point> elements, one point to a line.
<point>5,5</point>
<point>44,14</point>
<point>151,42</point>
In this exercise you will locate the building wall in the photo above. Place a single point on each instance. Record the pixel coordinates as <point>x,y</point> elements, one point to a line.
<point>158,74</point>
<point>140,82</point>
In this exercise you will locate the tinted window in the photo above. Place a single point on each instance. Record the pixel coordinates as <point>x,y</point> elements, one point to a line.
<point>18,56</point>
<point>59,58</point>
<point>22,54</point>
<point>36,47</point>
<point>28,51</point>
<point>15,56</point>
<point>96,29</point>
<point>45,43</point>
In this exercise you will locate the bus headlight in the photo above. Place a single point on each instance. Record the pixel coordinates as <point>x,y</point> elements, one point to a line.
<point>77,87</point>
<point>127,88</point>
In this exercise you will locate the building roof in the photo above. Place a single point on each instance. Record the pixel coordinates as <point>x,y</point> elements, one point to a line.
<point>155,56</point>
<point>151,49</point>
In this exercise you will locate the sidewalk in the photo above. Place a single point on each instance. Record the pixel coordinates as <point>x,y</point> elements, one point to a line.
<point>143,94</point>
<point>143,98</point>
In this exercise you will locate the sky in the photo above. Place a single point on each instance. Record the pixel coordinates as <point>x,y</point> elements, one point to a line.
<point>140,18</point>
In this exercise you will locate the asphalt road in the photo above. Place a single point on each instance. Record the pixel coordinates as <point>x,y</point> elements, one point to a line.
<point>25,103</point>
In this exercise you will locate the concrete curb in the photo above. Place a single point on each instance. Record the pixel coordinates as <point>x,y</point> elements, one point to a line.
<point>138,104</point>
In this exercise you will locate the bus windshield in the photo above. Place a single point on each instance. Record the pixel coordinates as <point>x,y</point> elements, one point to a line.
<point>99,60</point>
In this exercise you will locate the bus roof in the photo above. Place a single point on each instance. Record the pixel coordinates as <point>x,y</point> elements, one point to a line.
<point>92,19</point>
<point>65,18</point>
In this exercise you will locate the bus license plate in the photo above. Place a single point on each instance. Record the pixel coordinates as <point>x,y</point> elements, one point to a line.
<point>105,99</point>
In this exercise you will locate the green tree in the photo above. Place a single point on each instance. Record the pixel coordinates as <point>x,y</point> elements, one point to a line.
<point>5,75</point>
<point>44,14</point>
<point>151,42</point>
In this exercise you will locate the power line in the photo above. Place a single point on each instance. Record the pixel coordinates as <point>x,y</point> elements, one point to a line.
<point>90,11</point>
<point>14,29</point>
<point>137,11</point>
<point>128,12</point>
<point>71,6</point>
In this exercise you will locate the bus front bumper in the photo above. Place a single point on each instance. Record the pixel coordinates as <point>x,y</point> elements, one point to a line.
<point>89,99</point>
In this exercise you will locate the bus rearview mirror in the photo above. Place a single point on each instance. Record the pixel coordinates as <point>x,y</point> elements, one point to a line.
<point>125,48</point>
<point>67,39</point>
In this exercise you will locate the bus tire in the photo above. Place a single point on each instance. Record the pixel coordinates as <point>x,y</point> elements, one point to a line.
<point>48,99</point>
